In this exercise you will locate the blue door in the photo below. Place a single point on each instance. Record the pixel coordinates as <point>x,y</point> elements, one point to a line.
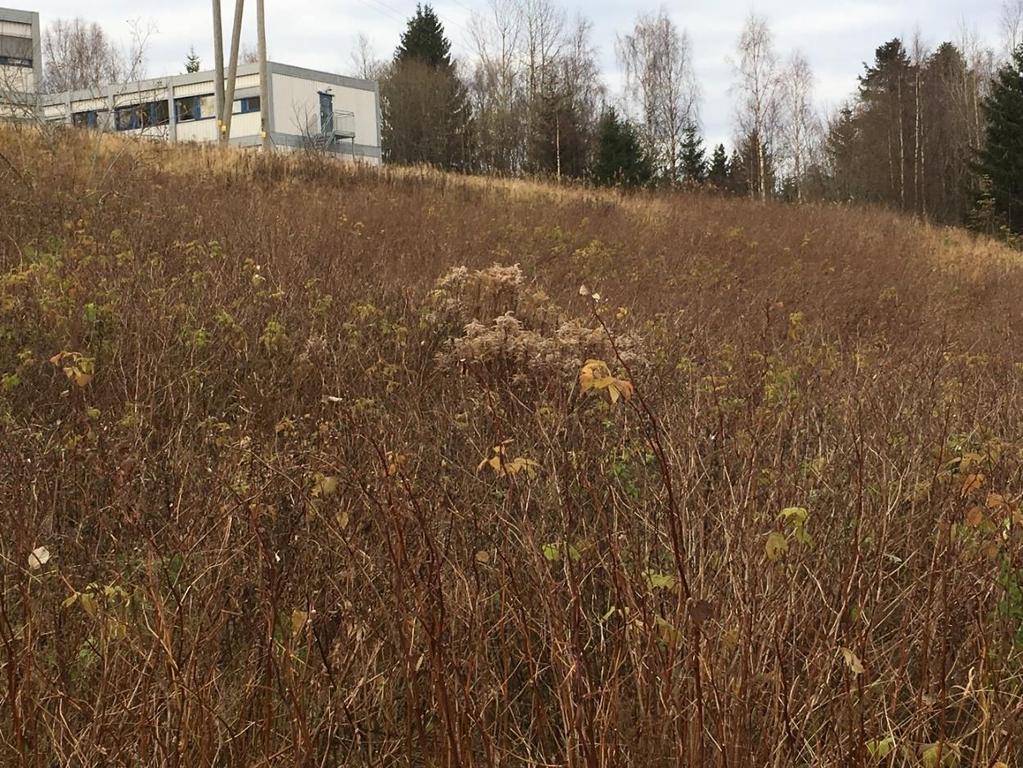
<point>326,113</point>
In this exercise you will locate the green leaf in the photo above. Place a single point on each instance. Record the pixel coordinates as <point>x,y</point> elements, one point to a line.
<point>657,580</point>
<point>796,516</point>
<point>803,536</point>
<point>880,748</point>
<point>552,552</point>
<point>949,755</point>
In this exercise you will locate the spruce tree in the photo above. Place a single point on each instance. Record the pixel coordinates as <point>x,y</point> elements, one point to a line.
<point>692,157</point>
<point>424,41</point>
<point>620,158</point>
<point>424,103</point>
<point>738,174</point>
<point>192,61</point>
<point>1000,162</point>
<point>719,168</point>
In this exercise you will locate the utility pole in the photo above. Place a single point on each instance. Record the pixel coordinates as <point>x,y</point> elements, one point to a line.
<point>218,63</point>
<point>232,73</point>
<point>264,78</point>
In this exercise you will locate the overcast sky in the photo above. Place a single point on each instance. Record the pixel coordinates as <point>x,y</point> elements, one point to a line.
<point>836,35</point>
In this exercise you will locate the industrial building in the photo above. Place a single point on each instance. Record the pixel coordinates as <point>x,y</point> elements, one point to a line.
<point>306,108</point>
<point>20,62</point>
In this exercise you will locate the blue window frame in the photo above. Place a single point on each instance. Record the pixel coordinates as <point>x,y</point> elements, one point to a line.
<point>247,105</point>
<point>87,119</point>
<point>141,115</point>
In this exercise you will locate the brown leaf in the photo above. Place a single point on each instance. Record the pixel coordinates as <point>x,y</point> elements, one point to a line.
<point>994,501</point>
<point>971,483</point>
<point>701,611</point>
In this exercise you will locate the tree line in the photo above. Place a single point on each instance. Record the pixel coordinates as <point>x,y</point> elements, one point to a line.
<point>934,132</point>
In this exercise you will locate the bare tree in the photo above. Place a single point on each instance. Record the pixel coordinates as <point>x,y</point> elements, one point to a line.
<point>660,85</point>
<point>920,56</point>
<point>1012,25</point>
<point>543,38</point>
<point>759,91</point>
<point>365,64</point>
<point>79,55</point>
<point>799,123</point>
<point>497,87</point>
<point>249,54</point>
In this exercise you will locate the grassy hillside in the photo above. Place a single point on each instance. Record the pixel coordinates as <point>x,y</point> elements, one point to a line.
<point>304,465</point>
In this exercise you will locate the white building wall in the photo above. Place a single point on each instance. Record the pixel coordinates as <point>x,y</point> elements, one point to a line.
<point>242,126</point>
<point>294,104</point>
<point>19,84</point>
<point>296,107</point>
<point>17,79</point>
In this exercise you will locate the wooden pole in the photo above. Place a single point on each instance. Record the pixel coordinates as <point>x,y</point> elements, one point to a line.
<point>264,78</point>
<point>232,72</point>
<point>218,62</point>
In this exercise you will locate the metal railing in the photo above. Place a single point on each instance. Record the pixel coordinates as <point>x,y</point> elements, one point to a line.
<point>339,124</point>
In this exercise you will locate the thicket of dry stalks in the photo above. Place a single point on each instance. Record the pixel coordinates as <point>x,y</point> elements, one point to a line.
<point>292,474</point>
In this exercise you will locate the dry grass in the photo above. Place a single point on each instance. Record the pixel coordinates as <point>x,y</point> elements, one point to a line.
<point>257,472</point>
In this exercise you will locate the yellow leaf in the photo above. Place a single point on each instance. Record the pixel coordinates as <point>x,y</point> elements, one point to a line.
<point>88,601</point>
<point>776,546</point>
<point>994,501</point>
<point>323,485</point>
<point>342,519</point>
<point>298,620</point>
<point>594,375</point>
<point>795,515</point>
<point>667,633</point>
<point>852,661</point>
<point>483,556</point>
<point>949,755</point>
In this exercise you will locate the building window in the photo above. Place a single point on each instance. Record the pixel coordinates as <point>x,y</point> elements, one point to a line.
<point>145,115</point>
<point>186,109</point>
<point>247,105</point>
<point>87,119</point>
<point>195,108</point>
<point>15,51</point>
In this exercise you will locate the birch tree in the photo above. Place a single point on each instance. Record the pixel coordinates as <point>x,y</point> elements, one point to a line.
<point>497,88</point>
<point>759,92</point>
<point>800,125</point>
<point>1012,25</point>
<point>660,86</point>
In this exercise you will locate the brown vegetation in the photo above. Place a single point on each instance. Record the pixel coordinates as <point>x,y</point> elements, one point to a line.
<point>265,499</point>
